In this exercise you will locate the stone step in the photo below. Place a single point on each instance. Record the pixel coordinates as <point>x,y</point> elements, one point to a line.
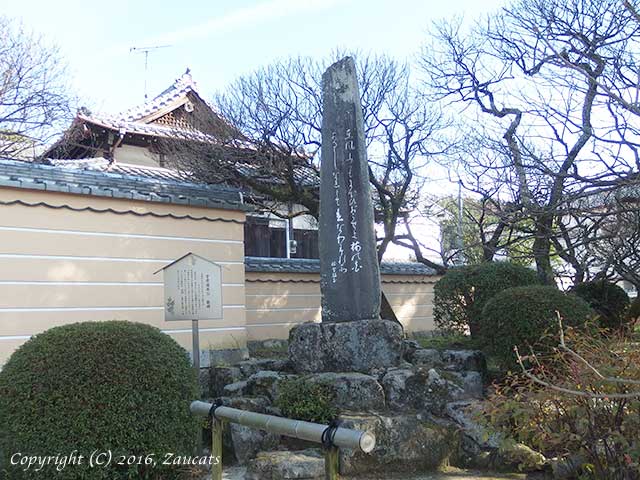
<point>284,465</point>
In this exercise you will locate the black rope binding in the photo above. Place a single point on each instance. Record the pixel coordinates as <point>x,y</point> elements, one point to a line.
<point>329,433</point>
<point>212,411</point>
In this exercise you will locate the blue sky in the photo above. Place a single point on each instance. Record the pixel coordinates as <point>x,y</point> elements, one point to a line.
<point>218,39</point>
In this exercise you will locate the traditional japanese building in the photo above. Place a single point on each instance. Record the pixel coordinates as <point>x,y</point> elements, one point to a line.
<point>134,141</point>
<point>131,137</point>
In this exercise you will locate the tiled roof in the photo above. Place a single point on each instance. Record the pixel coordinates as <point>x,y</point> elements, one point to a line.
<point>305,265</point>
<point>304,176</point>
<point>123,181</point>
<point>101,164</point>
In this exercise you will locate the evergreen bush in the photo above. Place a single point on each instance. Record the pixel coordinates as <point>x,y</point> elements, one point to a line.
<point>608,300</point>
<point>522,316</point>
<point>461,294</point>
<point>115,386</point>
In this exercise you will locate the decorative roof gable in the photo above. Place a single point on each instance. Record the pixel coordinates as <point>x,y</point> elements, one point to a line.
<point>173,97</point>
<point>177,113</point>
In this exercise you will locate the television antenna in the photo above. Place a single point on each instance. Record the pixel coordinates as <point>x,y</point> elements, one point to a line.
<point>145,51</point>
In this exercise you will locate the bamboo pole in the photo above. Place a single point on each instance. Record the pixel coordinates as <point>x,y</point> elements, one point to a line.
<point>342,437</point>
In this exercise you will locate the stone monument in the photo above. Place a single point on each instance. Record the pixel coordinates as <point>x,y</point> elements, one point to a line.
<point>351,337</point>
<point>350,276</point>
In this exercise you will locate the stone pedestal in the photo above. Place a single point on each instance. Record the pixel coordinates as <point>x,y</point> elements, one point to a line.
<point>358,346</point>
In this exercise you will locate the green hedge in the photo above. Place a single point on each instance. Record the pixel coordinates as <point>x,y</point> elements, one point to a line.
<point>461,294</point>
<point>608,300</point>
<point>114,386</point>
<point>521,316</point>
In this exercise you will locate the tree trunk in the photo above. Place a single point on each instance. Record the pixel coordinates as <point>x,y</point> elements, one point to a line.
<point>542,249</point>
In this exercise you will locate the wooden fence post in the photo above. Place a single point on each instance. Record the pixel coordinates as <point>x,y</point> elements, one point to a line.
<point>217,427</point>
<point>331,463</point>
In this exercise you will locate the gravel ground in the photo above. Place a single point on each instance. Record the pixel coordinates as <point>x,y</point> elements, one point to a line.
<point>238,474</point>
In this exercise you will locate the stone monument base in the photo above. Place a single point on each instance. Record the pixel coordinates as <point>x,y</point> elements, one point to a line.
<point>358,346</point>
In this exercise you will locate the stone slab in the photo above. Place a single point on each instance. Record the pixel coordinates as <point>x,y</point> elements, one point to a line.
<point>361,346</point>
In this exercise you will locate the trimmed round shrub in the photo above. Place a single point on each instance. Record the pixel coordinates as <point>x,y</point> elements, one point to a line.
<point>300,399</point>
<point>608,300</point>
<point>461,294</point>
<point>522,316</point>
<point>116,387</point>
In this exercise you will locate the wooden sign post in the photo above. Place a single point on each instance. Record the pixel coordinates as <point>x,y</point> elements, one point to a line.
<point>192,291</point>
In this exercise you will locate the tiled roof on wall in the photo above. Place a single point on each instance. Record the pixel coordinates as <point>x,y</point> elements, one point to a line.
<point>123,181</point>
<point>305,265</point>
<point>101,164</point>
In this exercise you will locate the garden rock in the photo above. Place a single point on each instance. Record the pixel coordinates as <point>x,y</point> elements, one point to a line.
<point>403,443</point>
<point>465,415</point>
<point>236,389</point>
<point>246,442</point>
<point>470,383</point>
<point>426,357</point>
<point>241,442</point>
<point>282,465</point>
<point>461,360</point>
<point>409,347</point>
<point>220,377</point>
<point>482,447</point>
<point>394,383</point>
<point>204,380</point>
<point>420,389</point>
<point>248,367</point>
<point>566,468</point>
<point>521,457</point>
<point>265,383</point>
<point>359,346</point>
<point>353,391</point>
<point>478,444</point>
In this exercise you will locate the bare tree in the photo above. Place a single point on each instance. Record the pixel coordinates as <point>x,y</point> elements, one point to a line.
<point>553,87</point>
<point>34,96</point>
<point>605,240</point>
<point>274,141</point>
